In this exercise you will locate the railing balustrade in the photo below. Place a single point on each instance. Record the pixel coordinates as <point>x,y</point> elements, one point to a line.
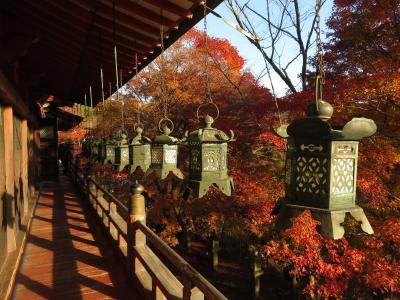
<point>136,244</point>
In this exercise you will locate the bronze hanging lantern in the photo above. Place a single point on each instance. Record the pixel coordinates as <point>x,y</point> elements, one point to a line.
<point>101,150</point>
<point>139,152</point>
<point>208,159</point>
<point>164,153</point>
<point>85,147</point>
<point>121,149</point>
<point>109,151</point>
<point>321,170</point>
<point>95,147</point>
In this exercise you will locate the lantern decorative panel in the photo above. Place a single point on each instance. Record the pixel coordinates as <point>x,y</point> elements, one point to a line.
<point>101,150</point>
<point>95,148</point>
<point>321,169</point>
<point>164,155</point>
<point>208,159</point>
<point>121,159</point>
<point>85,146</point>
<point>109,150</point>
<point>139,152</point>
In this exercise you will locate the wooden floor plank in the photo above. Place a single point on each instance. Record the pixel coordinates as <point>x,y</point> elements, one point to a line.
<point>66,256</point>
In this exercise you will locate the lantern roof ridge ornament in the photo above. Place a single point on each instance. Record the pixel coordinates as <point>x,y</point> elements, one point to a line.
<point>123,138</point>
<point>140,139</point>
<point>210,134</point>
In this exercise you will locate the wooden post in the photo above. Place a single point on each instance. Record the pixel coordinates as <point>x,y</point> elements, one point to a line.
<point>137,212</point>
<point>215,249</point>
<point>258,271</point>
<point>8,197</point>
<point>25,164</point>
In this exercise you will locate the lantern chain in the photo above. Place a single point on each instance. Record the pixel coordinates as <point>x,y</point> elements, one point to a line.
<point>116,67</point>
<point>320,78</point>
<point>206,54</point>
<point>164,103</point>
<point>136,72</point>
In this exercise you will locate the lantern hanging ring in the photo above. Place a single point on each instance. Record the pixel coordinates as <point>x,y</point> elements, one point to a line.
<point>206,104</point>
<point>168,120</point>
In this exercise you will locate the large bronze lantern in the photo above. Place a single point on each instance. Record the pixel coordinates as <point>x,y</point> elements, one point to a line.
<point>164,153</point>
<point>121,158</point>
<point>208,159</point>
<point>139,151</point>
<point>321,170</point>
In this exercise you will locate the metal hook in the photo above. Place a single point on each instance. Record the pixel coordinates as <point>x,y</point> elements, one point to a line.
<point>205,104</point>
<point>169,121</point>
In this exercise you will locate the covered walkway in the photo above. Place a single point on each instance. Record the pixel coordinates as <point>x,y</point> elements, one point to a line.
<point>66,254</point>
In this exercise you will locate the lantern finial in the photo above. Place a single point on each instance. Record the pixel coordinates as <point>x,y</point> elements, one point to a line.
<point>208,120</point>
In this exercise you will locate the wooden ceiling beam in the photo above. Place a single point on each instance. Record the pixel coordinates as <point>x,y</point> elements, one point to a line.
<point>48,26</point>
<point>170,7</point>
<point>120,17</point>
<point>81,15</point>
<point>135,9</point>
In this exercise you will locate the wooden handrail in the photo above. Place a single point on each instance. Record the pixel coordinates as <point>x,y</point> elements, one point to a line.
<point>180,264</point>
<point>119,204</point>
<point>124,240</point>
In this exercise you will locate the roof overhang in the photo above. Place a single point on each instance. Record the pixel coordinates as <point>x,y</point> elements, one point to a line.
<point>62,44</point>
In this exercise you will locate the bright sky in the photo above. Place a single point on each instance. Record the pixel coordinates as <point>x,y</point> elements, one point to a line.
<point>254,60</point>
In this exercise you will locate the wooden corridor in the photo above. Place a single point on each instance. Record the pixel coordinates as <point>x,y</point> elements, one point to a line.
<point>66,254</point>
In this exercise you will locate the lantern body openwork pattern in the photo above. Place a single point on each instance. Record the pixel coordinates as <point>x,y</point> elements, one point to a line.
<point>321,173</point>
<point>164,155</point>
<point>95,148</point>
<point>121,159</point>
<point>139,152</point>
<point>101,150</point>
<point>208,160</point>
<point>109,152</point>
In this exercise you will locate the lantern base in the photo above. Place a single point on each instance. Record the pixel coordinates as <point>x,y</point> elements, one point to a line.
<point>163,173</point>
<point>119,168</point>
<point>143,167</point>
<point>331,220</point>
<point>200,187</point>
<point>108,161</point>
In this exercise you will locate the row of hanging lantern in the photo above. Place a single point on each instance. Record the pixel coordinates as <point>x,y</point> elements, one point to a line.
<point>207,146</point>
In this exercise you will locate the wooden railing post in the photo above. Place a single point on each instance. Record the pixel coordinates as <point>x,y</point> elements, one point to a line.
<point>258,272</point>
<point>136,212</point>
<point>215,248</point>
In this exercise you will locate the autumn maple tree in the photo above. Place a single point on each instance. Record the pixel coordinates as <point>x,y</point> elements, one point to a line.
<point>362,59</point>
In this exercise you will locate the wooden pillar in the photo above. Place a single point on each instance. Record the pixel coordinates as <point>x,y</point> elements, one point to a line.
<point>137,212</point>
<point>9,170</point>
<point>215,248</point>
<point>24,165</point>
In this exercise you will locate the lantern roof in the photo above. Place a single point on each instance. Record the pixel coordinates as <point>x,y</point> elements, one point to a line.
<point>139,139</point>
<point>316,125</point>
<point>210,134</point>
<point>165,137</point>
<point>123,141</point>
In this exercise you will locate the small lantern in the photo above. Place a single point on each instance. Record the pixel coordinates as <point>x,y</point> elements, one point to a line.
<point>139,152</point>
<point>84,147</point>
<point>164,153</point>
<point>321,169</point>
<point>121,159</point>
<point>101,150</point>
<point>95,148</point>
<point>109,151</point>
<point>208,159</point>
